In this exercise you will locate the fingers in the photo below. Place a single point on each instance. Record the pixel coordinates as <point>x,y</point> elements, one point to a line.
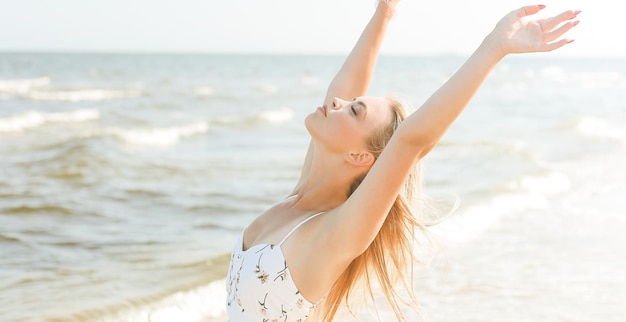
<point>556,45</point>
<point>551,23</point>
<point>528,10</point>
<point>553,35</point>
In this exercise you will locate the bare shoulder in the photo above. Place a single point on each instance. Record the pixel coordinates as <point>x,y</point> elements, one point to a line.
<point>316,257</point>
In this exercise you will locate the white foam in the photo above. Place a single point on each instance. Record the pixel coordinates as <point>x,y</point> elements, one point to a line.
<point>79,95</point>
<point>598,128</point>
<point>309,80</point>
<point>526,193</point>
<point>276,116</point>
<point>32,119</point>
<point>203,90</point>
<point>503,68</point>
<point>268,88</point>
<point>554,73</point>
<point>158,137</point>
<point>19,86</point>
<point>513,86</point>
<point>529,73</point>
<point>473,221</point>
<point>551,184</point>
<point>586,80</point>
<point>600,79</point>
<point>205,303</point>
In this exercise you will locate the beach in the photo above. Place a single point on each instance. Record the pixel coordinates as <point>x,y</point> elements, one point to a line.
<point>126,178</point>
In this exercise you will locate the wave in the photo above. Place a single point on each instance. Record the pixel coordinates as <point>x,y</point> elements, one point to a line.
<point>512,197</point>
<point>203,90</point>
<point>600,79</point>
<point>158,137</point>
<point>596,128</point>
<point>549,184</point>
<point>267,88</point>
<point>43,209</point>
<point>32,119</point>
<point>80,95</point>
<point>554,73</point>
<point>19,86</point>
<point>149,137</point>
<point>32,89</point>
<point>586,80</point>
<point>309,80</point>
<point>9,239</point>
<point>205,303</point>
<point>276,116</point>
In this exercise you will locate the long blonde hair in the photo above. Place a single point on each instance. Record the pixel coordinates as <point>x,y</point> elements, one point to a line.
<point>389,259</point>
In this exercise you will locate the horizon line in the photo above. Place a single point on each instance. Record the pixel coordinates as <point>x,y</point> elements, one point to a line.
<point>279,53</point>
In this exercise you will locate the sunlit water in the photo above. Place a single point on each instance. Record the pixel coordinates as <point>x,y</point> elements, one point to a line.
<point>125,179</point>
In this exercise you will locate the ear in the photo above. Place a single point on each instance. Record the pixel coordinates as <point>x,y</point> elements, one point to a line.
<point>360,158</point>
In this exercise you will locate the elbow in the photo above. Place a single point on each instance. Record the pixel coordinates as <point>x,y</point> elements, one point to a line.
<point>424,150</point>
<point>416,140</point>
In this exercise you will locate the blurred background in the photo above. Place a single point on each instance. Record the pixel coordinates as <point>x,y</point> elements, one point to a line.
<point>138,139</point>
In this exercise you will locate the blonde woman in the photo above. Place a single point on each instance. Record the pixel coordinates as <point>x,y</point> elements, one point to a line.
<point>348,219</point>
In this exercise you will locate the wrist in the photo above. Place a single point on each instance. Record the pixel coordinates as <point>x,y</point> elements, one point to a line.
<point>493,47</point>
<point>386,7</point>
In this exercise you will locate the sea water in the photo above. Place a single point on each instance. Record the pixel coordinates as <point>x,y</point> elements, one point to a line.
<point>125,179</point>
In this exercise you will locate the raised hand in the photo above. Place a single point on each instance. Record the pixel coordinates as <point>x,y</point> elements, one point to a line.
<point>392,3</point>
<point>516,33</point>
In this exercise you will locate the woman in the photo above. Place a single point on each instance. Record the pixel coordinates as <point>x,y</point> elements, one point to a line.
<point>349,217</point>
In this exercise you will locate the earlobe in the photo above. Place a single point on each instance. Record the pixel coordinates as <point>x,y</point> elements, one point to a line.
<point>360,159</point>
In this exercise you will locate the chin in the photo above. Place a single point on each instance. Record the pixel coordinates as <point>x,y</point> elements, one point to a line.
<point>309,121</point>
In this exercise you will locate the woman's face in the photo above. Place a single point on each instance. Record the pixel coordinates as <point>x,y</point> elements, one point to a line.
<point>345,126</point>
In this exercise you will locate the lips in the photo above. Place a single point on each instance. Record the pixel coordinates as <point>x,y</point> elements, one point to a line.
<point>322,109</point>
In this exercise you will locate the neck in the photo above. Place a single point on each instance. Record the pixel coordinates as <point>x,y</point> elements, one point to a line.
<point>327,183</point>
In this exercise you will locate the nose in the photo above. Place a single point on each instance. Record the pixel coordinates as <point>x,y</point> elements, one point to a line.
<point>337,103</point>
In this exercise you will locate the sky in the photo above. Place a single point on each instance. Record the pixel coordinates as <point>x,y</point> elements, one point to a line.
<point>283,26</point>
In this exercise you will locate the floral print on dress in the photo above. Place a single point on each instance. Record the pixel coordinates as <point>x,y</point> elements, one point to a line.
<point>283,273</point>
<point>261,274</point>
<point>260,287</point>
<point>263,306</point>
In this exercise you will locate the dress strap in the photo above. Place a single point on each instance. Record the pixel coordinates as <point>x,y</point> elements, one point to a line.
<point>296,227</point>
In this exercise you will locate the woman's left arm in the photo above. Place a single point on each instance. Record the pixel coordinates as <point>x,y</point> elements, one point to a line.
<point>515,33</point>
<point>364,212</point>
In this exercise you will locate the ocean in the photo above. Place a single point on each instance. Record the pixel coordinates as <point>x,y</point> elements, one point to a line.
<point>126,178</point>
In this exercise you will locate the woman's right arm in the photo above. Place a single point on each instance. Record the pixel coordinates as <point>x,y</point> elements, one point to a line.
<point>355,75</point>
